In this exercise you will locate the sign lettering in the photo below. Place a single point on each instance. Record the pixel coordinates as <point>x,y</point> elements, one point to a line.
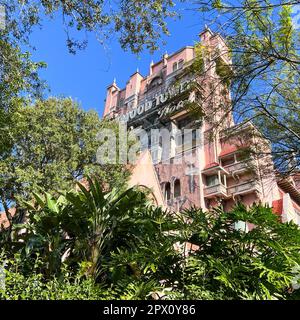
<point>159,100</point>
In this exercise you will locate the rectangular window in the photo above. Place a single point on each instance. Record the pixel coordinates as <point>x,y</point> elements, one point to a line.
<point>195,137</point>
<point>227,161</point>
<point>175,67</point>
<point>192,178</point>
<point>212,180</point>
<point>180,63</point>
<point>242,156</point>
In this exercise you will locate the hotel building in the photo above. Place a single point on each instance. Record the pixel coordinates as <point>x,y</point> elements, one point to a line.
<point>217,164</point>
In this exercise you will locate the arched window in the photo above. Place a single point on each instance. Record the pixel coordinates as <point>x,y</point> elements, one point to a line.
<point>177,189</point>
<point>167,191</point>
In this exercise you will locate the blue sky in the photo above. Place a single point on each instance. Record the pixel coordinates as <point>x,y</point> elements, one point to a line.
<point>86,75</point>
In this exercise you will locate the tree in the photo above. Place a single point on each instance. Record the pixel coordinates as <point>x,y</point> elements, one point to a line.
<point>117,237</point>
<point>19,82</point>
<point>137,24</point>
<point>264,45</point>
<point>231,262</point>
<point>53,145</point>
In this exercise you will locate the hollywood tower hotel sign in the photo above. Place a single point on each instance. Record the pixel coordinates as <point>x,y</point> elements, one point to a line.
<point>219,172</point>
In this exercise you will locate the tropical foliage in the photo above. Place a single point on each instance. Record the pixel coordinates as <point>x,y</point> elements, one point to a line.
<point>116,244</point>
<point>101,241</point>
<point>232,262</point>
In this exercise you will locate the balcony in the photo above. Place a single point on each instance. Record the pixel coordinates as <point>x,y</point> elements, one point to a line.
<point>218,190</point>
<point>240,166</point>
<point>244,188</point>
<point>214,168</point>
<point>288,185</point>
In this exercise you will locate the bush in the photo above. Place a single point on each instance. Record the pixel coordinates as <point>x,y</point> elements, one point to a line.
<point>34,286</point>
<point>89,244</point>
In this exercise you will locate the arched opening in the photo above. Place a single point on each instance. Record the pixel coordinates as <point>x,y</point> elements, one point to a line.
<point>177,188</point>
<point>167,191</point>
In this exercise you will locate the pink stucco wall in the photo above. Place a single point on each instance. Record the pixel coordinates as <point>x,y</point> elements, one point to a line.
<point>214,148</point>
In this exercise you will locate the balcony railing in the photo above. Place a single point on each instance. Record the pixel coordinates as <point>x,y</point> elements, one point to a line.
<point>240,166</point>
<point>216,190</point>
<point>222,191</point>
<point>245,187</point>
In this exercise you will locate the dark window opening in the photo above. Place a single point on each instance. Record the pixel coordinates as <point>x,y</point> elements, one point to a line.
<point>180,63</point>
<point>212,180</point>
<point>177,188</point>
<point>227,161</point>
<point>184,123</point>
<point>167,191</point>
<point>191,179</point>
<point>174,66</point>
